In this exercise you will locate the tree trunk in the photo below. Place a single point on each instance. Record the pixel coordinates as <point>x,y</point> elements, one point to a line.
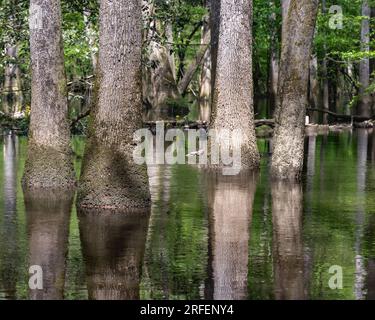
<point>274,64</point>
<point>325,74</point>
<point>110,178</point>
<point>285,4</point>
<point>364,106</point>
<point>205,88</point>
<point>159,74</point>
<point>49,163</point>
<point>287,158</point>
<point>91,36</point>
<point>233,106</point>
<point>314,87</point>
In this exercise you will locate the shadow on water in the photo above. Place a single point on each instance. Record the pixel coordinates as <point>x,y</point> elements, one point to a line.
<point>48,217</point>
<point>113,246</point>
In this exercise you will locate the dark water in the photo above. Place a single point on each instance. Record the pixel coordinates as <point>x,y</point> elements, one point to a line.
<point>207,237</point>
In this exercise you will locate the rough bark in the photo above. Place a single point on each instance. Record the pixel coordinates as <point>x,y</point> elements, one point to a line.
<point>205,87</point>
<point>48,216</point>
<point>287,158</point>
<point>364,106</point>
<point>233,105</point>
<point>49,163</point>
<point>113,246</point>
<point>110,178</point>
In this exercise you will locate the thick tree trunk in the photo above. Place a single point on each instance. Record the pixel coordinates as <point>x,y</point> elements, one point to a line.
<point>205,89</point>
<point>110,178</point>
<point>285,4</point>
<point>49,163</point>
<point>287,158</point>
<point>364,106</point>
<point>233,90</point>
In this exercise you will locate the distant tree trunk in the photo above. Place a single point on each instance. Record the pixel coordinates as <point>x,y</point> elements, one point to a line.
<point>287,158</point>
<point>274,63</point>
<point>325,74</point>
<point>91,36</point>
<point>364,106</point>
<point>215,28</point>
<point>233,105</point>
<point>110,178</point>
<point>205,88</point>
<point>159,75</point>
<point>49,163</point>
<point>314,87</point>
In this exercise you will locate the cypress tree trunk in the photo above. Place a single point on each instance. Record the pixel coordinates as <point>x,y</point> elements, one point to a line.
<point>49,163</point>
<point>287,158</point>
<point>110,178</point>
<point>233,106</point>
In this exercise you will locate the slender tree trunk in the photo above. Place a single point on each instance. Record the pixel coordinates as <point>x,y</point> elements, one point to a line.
<point>274,63</point>
<point>110,178</point>
<point>325,74</point>
<point>314,87</point>
<point>364,107</point>
<point>233,106</point>
<point>159,74</point>
<point>287,158</point>
<point>91,37</point>
<point>205,88</point>
<point>49,163</point>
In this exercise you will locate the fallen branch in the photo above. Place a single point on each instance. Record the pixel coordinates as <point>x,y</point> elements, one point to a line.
<point>349,118</point>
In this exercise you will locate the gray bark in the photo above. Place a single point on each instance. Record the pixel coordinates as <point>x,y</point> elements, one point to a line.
<point>364,107</point>
<point>314,88</point>
<point>233,105</point>
<point>287,158</point>
<point>110,178</point>
<point>49,163</point>
<point>274,63</point>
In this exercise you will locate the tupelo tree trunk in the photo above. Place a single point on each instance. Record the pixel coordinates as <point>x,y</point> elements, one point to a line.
<point>110,178</point>
<point>233,106</point>
<point>49,162</point>
<point>287,158</point>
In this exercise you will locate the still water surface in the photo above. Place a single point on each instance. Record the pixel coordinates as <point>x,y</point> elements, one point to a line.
<point>207,237</point>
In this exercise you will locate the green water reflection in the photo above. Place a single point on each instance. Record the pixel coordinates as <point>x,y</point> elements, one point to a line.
<point>208,237</point>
